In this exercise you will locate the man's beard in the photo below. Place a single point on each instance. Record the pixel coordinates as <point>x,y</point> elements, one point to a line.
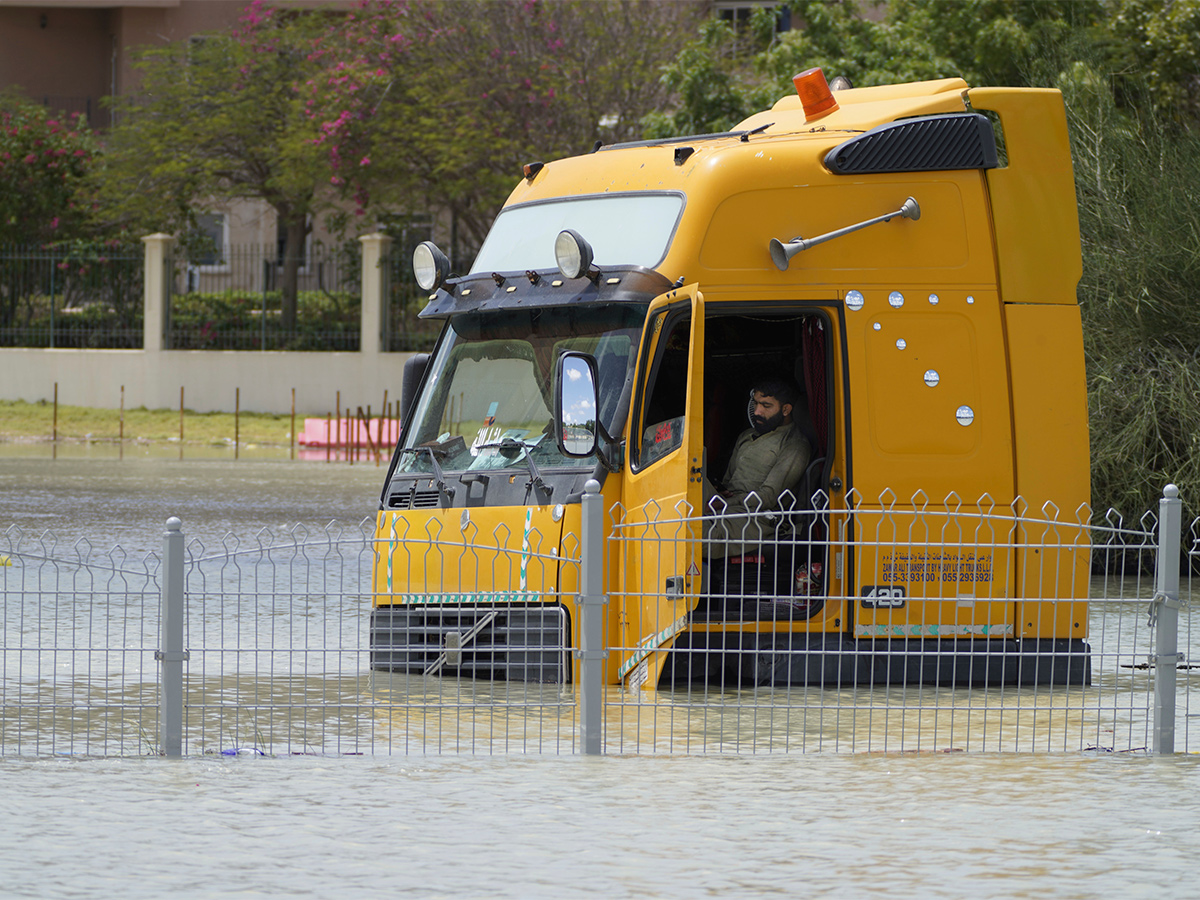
<point>764,425</point>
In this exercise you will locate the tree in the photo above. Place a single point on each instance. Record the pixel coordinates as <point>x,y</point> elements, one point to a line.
<point>1155,44</point>
<point>715,84</point>
<point>719,82</point>
<point>222,117</point>
<point>44,158</point>
<point>441,103</point>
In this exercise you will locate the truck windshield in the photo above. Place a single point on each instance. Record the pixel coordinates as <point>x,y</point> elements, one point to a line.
<point>623,229</point>
<point>491,382</point>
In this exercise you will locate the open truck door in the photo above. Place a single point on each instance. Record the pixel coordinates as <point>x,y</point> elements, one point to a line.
<point>658,530</point>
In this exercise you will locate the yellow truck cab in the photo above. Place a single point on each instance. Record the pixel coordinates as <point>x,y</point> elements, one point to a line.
<point>908,256</point>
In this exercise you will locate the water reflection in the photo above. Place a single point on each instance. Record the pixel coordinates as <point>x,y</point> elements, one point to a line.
<point>112,502</point>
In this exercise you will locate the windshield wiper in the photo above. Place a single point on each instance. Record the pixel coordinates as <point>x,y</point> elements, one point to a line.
<point>439,477</point>
<point>509,447</point>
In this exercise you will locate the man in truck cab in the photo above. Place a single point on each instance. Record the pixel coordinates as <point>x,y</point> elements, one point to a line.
<point>768,460</point>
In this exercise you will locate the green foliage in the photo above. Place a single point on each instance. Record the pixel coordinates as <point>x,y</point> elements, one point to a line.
<point>220,117</point>
<point>1155,46</point>
<point>995,42</point>
<point>88,327</point>
<point>43,160</point>
<point>233,320</point>
<point>984,41</point>
<point>713,88</point>
<point>1138,186</point>
<point>836,37</point>
<point>95,287</point>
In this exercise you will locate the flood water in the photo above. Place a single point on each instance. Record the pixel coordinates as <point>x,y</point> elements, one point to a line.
<point>927,824</point>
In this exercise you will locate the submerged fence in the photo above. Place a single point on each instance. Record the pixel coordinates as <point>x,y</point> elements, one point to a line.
<point>266,645</point>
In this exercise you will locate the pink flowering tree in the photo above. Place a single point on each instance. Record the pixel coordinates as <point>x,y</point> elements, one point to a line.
<point>437,105</point>
<point>44,158</point>
<point>390,106</point>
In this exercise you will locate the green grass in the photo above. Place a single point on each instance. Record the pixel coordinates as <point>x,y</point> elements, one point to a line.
<point>35,421</point>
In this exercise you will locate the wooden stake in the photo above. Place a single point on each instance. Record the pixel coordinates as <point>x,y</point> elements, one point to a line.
<point>121,427</point>
<point>237,415</point>
<point>383,419</point>
<point>181,421</point>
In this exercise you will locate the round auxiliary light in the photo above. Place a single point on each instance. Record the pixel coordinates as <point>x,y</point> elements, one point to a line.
<point>572,253</point>
<point>430,266</point>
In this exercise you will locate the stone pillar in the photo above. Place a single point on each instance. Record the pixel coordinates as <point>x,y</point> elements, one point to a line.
<point>157,294</point>
<point>375,286</point>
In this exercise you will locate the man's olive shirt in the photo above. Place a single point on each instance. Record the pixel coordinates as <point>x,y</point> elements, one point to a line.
<point>766,465</point>
<point>761,469</point>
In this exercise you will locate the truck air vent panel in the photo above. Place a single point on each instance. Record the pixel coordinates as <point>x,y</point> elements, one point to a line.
<point>925,144</point>
<point>503,643</point>
<point>412,499</point>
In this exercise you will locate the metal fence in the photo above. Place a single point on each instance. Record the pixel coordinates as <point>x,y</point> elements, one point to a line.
<point>71,296</point>
<point>262,645</point>
<point>232,298</point>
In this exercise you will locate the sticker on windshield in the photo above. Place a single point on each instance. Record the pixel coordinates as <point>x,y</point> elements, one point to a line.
<point>489,433</point>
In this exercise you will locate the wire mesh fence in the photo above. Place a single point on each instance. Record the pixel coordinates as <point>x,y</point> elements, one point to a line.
<point>426,636</point>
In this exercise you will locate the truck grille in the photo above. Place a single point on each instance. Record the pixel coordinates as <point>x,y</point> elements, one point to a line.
<point>504,643</point>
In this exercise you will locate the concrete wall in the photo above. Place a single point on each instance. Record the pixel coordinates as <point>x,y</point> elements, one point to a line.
<point>152,377</point>
<point>210,379</point>
<point>59,56</point>
<point>83,49</point>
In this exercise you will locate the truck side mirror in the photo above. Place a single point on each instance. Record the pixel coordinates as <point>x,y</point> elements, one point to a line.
<point>414,371</point>
<point>576,405</point>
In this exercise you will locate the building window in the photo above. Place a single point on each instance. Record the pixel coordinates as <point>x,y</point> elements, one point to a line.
<point>211,247</point>
<point>737,13</point>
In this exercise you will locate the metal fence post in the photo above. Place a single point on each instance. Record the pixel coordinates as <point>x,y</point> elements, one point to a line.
<point>1164,615</point>
<point>591,626</point>
<point>172,654</point>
